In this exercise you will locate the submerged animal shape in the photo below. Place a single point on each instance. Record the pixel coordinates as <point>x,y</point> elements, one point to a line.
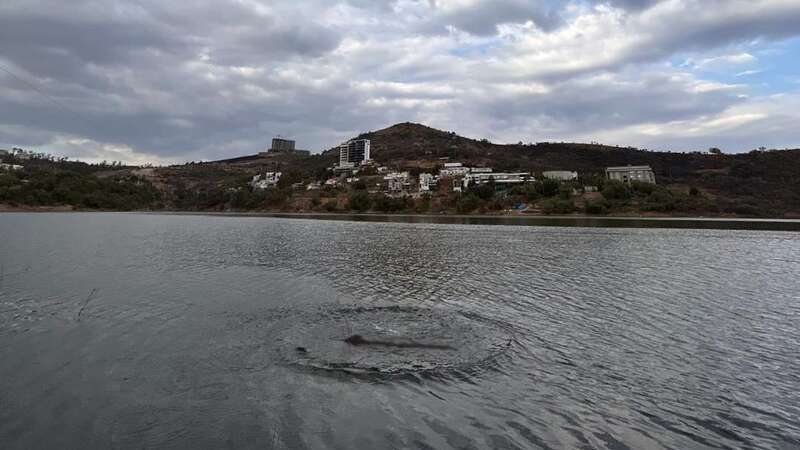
<point>358,340</point>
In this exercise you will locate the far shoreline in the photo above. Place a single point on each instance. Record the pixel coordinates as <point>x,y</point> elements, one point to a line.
<point>666,222</point>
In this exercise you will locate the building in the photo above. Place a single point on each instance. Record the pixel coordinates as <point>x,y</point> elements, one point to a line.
<point>427,182</point>
<point>453,170</point>
<point>10,167</point>
<point>479,169</point>
<point>280,145</point>
<point>397,182</point>
<point>629,174</point>
<point>265,181</point>
<point>560,175</point>
<point>498,178</point>
<point>354,152</point>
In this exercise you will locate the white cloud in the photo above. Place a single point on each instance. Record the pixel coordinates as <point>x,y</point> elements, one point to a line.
<point>176,81</point>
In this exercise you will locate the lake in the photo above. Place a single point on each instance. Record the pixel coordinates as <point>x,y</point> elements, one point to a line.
<point>170,331</point>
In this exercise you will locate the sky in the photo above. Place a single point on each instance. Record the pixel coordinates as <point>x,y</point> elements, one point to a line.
<point>167,81</point>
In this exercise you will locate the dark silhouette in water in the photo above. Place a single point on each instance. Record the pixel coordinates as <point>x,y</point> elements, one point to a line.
<point>357,340</point>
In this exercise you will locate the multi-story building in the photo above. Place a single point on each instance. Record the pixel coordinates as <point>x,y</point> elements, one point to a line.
<point>426,182</point>
<point>280,145</point>
<point>629,174</point>
<point>560,175</point>
<point>354,152</point>
<point>397,181</point>
<point>453,170</point>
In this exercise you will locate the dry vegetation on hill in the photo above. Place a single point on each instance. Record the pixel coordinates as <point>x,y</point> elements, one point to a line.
<point>759,183</point>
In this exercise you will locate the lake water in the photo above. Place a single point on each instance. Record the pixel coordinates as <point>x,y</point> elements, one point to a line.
<point>132,331</point>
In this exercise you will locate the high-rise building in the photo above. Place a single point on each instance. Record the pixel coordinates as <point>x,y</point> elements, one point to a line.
<point>354,152</point>
<point>282,145</point>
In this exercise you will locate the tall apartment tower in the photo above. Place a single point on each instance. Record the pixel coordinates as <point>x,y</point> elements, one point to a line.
<point>282,145</point>
<point>354,152</point>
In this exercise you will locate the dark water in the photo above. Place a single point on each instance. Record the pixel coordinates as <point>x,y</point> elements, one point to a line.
<point>132,331</point>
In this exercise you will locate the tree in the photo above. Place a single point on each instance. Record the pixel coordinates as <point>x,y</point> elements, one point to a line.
<point>715,151</point>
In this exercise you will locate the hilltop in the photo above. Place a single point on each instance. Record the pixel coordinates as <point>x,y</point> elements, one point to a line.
<point>761,183</point>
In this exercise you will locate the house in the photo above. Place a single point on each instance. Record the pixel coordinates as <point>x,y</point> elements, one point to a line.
<point>560,175</point>
<point>426,182</point>
<point>313,186</point>
<point>265,181</point>
<point>331,182</point>
<point>397,181</point>
<point>629,174</point>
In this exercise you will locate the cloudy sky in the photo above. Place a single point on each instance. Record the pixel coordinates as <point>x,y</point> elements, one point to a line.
<point>172,81</point>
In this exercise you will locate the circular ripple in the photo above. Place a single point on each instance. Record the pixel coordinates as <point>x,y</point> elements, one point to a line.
<point>446,340</point>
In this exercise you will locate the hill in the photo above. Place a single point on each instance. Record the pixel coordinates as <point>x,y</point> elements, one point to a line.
<point>756,183</point>
<point>761,183</point>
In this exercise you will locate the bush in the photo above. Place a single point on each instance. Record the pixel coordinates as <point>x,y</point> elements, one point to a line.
<point>558,206</point>
<point>384,203</point>
<point>595,208</point>
<point>330,206</point>
<point>642,188</point>
<point>360,201</point>
<point>548,187</point>
<point>616,190</point>
<point>468,203</point>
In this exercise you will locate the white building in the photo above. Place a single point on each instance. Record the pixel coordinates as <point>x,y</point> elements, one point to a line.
<point>560,175</point>
<point>499,178</point>
<point>397,181</point>
<point>426,182</point>
<point>265,181</point>
<point>354,152</point>
<point>629,174</point>
<point>480,170</point>
<point>10,167</point>
<point>453,170</point>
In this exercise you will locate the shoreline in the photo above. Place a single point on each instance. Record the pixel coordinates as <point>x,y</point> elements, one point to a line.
<point>700,223</point>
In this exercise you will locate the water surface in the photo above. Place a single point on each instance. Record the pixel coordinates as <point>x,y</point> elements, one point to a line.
<point>131,331</point>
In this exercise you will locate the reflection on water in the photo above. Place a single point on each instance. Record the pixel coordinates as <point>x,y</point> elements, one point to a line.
<point>562,337</point>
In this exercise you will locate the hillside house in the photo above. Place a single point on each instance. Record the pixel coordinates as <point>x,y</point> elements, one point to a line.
<point>265,181</point>
<point>629,174</point>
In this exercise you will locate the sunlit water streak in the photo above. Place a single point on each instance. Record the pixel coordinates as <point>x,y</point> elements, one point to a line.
<point>563,337</point>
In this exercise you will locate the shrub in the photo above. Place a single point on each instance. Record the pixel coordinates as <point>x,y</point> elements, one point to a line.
<point>468,203</point>
<point>595,208</point>
<point>359,201</point>
<point>616,190</point>
<point>558,206</point>
<point>548,187</point>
